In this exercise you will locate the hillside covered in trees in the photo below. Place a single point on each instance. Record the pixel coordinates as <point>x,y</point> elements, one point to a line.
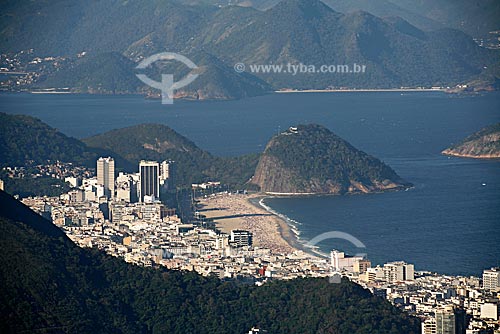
<point>25,138</point>
<point>310,159</point>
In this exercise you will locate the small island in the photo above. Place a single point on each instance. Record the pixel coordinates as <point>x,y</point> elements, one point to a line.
<point>310,160</point>
<point>484,144</point>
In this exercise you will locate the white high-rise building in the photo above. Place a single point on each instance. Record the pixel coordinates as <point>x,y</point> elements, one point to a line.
<point>491,279</point>
<point>106,175</point>
<point>222,241</point>
<point>240,238</point>
<point>341,262</point>
<point>150,179</point>
<point>124,188</point>
<point>398,271</point>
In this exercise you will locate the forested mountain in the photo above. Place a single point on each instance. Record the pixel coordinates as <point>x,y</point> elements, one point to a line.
<point>394,52</point>
<point>474,17</point>
<point>50,285</point>
<point>159,142</point>
<point>25,138</point>
<point>104,73</point>
<point>312,160</point>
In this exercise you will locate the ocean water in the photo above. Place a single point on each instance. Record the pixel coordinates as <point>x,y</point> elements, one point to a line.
<point>449,222</point>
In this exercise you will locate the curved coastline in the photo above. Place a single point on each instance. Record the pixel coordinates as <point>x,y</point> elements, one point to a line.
<point>452,153</point>
<point>287,223</point>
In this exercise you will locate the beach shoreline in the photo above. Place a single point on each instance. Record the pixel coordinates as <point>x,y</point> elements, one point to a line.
<point>244,211</point>
<point>366,90</point>
<point>284,228</point>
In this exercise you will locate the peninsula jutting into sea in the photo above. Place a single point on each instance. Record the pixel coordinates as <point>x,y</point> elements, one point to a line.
<point>484,144</point>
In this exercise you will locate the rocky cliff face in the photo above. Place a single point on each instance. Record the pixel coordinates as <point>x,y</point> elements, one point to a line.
<point>309,159</point>
<point>484,144</point>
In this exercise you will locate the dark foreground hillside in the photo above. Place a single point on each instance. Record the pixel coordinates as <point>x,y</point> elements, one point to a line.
<point>49,285</point>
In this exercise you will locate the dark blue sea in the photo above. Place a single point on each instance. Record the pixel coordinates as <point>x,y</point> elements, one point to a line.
<point>448,223</point>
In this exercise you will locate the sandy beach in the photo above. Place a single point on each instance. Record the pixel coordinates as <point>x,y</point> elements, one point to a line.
<point>235,211</point>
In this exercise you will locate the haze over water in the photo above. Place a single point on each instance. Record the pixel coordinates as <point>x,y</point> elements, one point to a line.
<point>450,221</point>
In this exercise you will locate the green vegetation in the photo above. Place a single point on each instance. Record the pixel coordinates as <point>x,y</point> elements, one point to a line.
<point>313,159</point>
<point>475,18</point>
<point>50,285</point>
<point>395,55</point>
<point>27,138</point>
<point>40,186</point>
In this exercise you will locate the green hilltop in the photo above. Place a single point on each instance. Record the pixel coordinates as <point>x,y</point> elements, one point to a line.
<point>311,159</point>
<point>26,138</point>
<point>159,142</point>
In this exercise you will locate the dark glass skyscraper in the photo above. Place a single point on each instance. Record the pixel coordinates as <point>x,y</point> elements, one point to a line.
<point>150,179</point>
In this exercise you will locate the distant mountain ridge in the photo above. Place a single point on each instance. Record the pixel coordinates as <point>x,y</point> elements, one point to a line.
<point>24,138</point>
<point>310,159</point>
<point>159,142</point>
<point>474,17</point>
<point>484,144</point>
<point>294,31</point>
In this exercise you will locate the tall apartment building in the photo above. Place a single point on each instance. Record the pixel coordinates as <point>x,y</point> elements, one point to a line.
<point>445,320</point>
<point>240,238</point>
<point>491,279</point>
<point>150,179</point>
<point>126,188</point>
<point>398,271</point>
<point>106,175</point>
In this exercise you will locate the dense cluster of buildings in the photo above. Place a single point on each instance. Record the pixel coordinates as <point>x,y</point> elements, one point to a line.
<point>445,304</point>
<point>123,216</point>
